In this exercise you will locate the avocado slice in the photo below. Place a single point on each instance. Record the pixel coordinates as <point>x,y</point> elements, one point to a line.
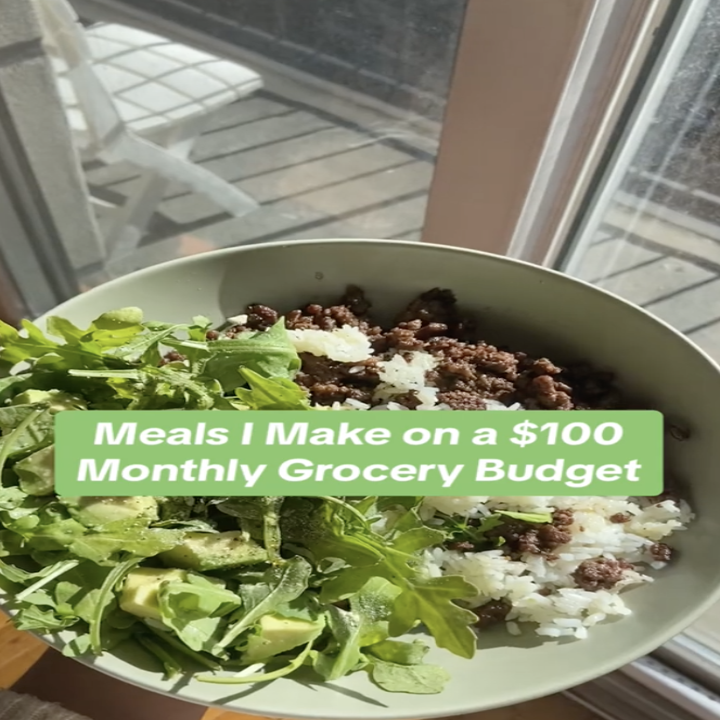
<point>139,594</point>
<point>276,635</point>
<point>214,551</point>
<point>94,512</point>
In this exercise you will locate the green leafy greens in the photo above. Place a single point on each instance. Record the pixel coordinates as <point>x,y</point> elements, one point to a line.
<point>308,582</point>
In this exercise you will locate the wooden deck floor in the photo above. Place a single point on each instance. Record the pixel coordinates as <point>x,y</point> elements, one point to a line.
<point>314,174</point>
<point>19,651</point>
<point>678,286</point>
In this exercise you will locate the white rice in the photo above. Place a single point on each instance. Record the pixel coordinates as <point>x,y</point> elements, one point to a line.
<point>542,590</point>
<point>345,344</point>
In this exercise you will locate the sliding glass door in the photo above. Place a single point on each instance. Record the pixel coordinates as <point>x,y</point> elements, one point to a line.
<point>650,228</point>
<point>282,120</point>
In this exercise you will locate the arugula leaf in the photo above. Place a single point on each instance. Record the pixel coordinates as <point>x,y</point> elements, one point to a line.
<point>30,431</point>
<point>104,599</point>
<point>145,347</point>
<point>330,529</point>
<point>80,587</point>
<point>417,539</point>
<point>12,384</point>
<point>275,393</point>
<point>77,647</point>
<point>45,577</point>
<point>261,677</point>
<point>34,347</point>
<point>195,611</point>
<point>335,532</point>
<point>281,585</point>
<point>169,662</point>
<point>389,503</point>
<point>415,679</point>
<point>365,624</point>
<point>17,348</point>
<point>110,331</point>
<point>177,644</point>
<point>268,353</point>
<point>22,577</point>
<point>398,652</point>
<point>11,544</point>
<point>103,547</point>
<point>527,517</point>
<point>45,527</point>
<point>37,472</point>
<point>32,618</point>
<point>430,601</point>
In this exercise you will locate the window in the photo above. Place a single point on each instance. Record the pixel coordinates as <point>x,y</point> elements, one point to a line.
<point>650,231</point>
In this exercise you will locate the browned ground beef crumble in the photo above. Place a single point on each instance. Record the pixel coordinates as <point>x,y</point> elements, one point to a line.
<point>492,612</point>
<point>470,372</point>
<point>600,574</point>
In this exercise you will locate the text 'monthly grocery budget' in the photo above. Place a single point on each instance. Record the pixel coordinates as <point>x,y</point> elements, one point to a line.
<point>181,453</point>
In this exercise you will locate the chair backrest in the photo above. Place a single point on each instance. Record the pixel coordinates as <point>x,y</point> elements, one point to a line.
<point>65,41</point>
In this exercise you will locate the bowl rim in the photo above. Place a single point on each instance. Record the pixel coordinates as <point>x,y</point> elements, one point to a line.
<point>456,705</point>
<point>452,249</point>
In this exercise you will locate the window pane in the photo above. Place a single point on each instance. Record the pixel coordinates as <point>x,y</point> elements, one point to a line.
<point>334,134</point>
<point>653,235</point>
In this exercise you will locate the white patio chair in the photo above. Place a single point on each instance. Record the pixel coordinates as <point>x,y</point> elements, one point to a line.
<point>141,98</point>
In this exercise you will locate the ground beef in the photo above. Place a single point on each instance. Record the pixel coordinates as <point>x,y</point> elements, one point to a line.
<point>469,371</point>
<point>543,392</point>
<point>563,518</point>
<point>660,552</point>
<point>354,299</point>
<point>171,357</point>
<point>317,317</point>
<point>620,518</point>
<point>261,317</point>
<point>492,613</point>
<point>409,399</point>
<point>550,537</point>
<point>462,400</point>
<point>522,537</point>
<point>600,573</point>
<point>329,381</point>
<point>434,306</point>
<point>413,335</point>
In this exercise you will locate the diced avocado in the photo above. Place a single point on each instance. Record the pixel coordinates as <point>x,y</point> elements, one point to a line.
<point>98,511</point>
<point>57,400</point>
<point>276,635</point>
<point>209,551</point>
<point>139,595</point>
<point>37,472</point>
